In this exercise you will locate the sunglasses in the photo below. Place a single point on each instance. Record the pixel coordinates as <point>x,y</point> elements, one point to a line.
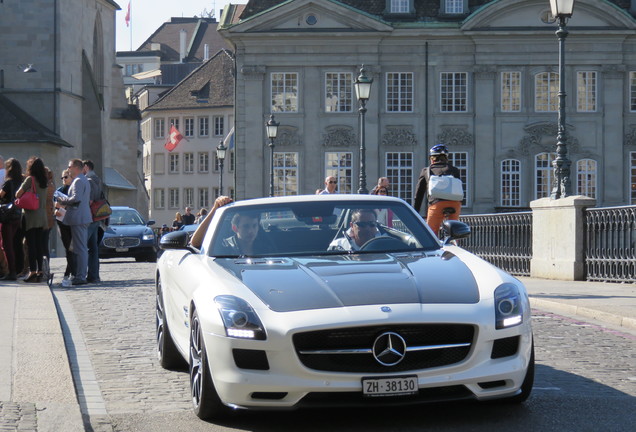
<point>369,224</point>
<point>333,182</point>
<point>63,177</point>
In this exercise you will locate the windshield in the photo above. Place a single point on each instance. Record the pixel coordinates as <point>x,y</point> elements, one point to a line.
<point>320,228</point>
<point>126,217</point>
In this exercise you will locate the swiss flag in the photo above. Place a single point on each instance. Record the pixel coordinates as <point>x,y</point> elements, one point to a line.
<point>128,16</point>
<point>174,139</point>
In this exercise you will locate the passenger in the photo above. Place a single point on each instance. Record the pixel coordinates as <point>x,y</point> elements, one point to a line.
<point>246,239</point>
<point>362,228</point>
<point>199,233</point>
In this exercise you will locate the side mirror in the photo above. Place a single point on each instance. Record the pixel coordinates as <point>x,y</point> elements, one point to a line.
<point>176,240</point>
<point>454,230</point>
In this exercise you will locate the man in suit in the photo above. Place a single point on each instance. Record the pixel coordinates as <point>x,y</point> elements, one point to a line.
<point>93,229</point>
<point>78,217</point>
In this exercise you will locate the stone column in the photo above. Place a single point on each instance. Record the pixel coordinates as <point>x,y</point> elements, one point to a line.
<point>483,188</point>
<point>558,236</point>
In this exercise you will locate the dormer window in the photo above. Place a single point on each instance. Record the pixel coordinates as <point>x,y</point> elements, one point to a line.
<point>454,7</point>
<point>399,6</point>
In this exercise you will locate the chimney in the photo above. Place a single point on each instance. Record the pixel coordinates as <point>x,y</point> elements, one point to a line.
<point>206,52</point>
<point>182,45</point>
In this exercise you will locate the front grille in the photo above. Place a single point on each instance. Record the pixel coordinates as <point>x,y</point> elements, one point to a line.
<point>350,349</point>
<point>121,242</point>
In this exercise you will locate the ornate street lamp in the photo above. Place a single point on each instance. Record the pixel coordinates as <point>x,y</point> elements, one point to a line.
<point>272,130</point>
<point>220,155</point>
<point>363,90</point>
<point>562,10</point>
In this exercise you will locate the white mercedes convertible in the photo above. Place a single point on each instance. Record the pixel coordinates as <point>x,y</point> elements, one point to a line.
<point>337,300</point>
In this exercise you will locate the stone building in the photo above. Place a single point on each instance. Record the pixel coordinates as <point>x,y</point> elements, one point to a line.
<point>481,76</point>
<point>201,108</point>
<point>71,103</point>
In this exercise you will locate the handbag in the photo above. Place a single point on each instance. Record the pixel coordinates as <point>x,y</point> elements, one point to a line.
<point>29,199</point>
<point>9,213</point>
<point>445,187</point>
<point>100,209</point>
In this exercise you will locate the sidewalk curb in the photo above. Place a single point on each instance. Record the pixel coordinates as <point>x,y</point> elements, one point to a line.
<point>557,307</point>
<point>39,346</point>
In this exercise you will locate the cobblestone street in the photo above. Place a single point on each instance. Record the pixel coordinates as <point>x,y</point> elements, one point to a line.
<point>574,359</point>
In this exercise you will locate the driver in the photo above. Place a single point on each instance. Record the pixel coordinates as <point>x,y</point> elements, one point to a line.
<point>362,228</point>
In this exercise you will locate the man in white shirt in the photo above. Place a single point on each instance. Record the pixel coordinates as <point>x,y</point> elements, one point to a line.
<point>330,185</point>
<point>363,227</point>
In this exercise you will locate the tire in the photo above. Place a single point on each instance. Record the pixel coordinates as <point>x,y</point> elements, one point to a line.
<point>205,400</point>
<point>167,352</point>
<point>528,382</point>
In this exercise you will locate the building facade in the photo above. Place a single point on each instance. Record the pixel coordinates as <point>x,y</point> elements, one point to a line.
<point>71,104</point>
<point>481,76</point>
<point>201,109</point>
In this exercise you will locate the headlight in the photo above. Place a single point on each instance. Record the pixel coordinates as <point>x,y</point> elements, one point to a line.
<point>239,318</point>
<point>148,236</point>
<point>508,306</point>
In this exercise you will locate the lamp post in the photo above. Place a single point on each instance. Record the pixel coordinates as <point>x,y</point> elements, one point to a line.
<point>220,155</point>
<point>562,10</point>
<point>363,89</point>
<point>272,130</point>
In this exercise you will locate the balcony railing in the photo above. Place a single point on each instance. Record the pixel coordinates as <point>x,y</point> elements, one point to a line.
<point>502,239</point>
<point>610,244</point>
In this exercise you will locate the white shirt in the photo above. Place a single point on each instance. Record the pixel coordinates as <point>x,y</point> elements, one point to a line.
<point>347,243</point>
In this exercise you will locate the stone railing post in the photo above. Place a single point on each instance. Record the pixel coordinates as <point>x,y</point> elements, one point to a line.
<point>558,237</point>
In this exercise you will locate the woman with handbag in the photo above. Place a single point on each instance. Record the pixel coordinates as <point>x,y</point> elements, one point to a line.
<point>35,219</point>
<point>13,250</point>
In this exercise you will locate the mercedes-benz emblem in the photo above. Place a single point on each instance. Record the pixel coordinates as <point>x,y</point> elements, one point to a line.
<point>389,349</point>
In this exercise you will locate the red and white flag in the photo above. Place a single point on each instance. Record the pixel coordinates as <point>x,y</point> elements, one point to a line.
<point>174,139</point>
<point>128,16</point>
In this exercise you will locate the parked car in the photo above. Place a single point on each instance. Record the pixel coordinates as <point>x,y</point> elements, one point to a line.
<point>128,235</point>
<point>307,319</point>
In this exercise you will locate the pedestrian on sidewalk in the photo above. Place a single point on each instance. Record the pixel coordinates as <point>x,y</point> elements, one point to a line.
<point>78,217</point>
<point>97,193</point>
<point>35,220</point>
<point>65,231</point>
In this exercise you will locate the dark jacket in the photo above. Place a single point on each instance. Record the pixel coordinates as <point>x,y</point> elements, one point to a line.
<point>437,168</point>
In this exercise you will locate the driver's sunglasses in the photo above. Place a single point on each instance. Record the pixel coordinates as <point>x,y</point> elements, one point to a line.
<point>369,224</point>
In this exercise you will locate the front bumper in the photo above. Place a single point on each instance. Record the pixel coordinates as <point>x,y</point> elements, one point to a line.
<point>288,384</point>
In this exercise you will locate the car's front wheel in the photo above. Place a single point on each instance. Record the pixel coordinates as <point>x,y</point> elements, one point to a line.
<point>205,400</point>
<point>528,382</point>
<point>167,353</point>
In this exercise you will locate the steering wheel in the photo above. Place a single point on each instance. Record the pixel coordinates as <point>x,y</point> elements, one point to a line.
<point>383,243</point>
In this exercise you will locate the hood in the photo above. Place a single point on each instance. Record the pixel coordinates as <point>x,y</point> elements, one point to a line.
<point>286,284</point>
<point>125,230</point>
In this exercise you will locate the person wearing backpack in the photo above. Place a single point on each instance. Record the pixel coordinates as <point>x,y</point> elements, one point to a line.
<point>439,201</point>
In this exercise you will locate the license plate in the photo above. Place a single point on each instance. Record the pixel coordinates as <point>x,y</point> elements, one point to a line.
<point>390,386</point>
<point>121,249</point>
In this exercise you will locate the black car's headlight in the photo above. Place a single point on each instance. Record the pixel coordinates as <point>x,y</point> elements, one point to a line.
<point>148,235</point>
<point>239,318</point>
<point>508,306</point>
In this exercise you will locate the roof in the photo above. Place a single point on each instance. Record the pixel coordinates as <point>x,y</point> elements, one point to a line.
<point>211,85</point>
<point>425,10</point>
<point>113,179</point>
<point>199,32</point>
<point>17,126</point>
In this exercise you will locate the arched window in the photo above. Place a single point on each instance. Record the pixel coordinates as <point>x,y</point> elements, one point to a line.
<point>510,183</point>
<point>544,174</point>
<point>98,53</point>
<point>586,177</point>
